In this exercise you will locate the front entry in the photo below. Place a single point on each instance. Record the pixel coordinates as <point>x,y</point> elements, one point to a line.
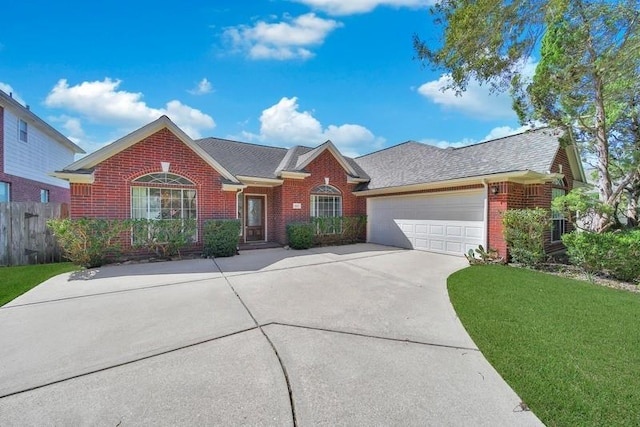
<point>254,219</point>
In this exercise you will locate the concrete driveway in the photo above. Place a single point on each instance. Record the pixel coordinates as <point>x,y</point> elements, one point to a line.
<point>349,335</point>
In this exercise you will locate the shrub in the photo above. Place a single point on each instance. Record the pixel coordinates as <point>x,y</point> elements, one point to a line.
<point>339,230</point>
<point>89,242</point>
<point>163,237</point>
<point>614,253</point>
<point>221,237</point>
<point>524,231</point>
<point>301,235</point>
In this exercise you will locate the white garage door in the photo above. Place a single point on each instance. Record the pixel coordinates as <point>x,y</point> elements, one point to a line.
<point>451,223</point>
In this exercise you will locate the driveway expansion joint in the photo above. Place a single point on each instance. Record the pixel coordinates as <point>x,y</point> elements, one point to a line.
<point>273,347</point>
<point>128,362</point>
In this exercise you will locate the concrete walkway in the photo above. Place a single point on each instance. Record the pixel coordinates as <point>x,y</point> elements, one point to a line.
<point>350,335</point>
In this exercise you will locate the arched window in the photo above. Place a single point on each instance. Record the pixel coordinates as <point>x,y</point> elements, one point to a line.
<point>163,196</point>
<point>559,221</point>
<point>326,201</point>
<point>163,178</point>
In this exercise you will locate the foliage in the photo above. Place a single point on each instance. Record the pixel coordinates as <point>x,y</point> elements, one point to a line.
<point>524,231</point>
<point>483,256</point>
<point>89,242</point>
<point>339,230</point>
<point>301,235</point>
<point>568,348</point>
<point>14,281</point>
<point>164,237</point>
<point>613,253</point>
<point>587,81</point>
<point>582,208</point>
<point>221,237</point>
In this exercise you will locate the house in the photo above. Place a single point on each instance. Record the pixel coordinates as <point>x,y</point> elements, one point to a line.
<point>415,195</point>
<point>30,149</point>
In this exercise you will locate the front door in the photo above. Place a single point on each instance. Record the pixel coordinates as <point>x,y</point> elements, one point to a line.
<point>254,220</point>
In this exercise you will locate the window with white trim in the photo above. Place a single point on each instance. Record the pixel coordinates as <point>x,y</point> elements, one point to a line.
<point>172,197</point>
<point>559,222</point>
<point>22,130</point>
<point>5,192</point>
<point>326,201</point>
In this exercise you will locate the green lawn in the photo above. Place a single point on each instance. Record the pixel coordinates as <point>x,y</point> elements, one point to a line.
<point>15,281</point>
<point>570,349</point>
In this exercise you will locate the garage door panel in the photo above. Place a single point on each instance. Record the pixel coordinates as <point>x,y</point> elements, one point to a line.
<point>449,224</point>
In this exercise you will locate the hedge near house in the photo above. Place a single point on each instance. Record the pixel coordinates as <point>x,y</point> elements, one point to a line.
<point>163,237</point>
<point>613,253</point>
<point>301,235</point>
<point>221,237</point>
<point>89,242</point>
<point>524,231</point>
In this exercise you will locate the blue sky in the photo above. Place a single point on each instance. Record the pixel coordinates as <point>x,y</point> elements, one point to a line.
<point>270,72</point>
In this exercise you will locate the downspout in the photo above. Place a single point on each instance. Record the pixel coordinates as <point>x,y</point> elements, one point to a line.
<point>486,213</point>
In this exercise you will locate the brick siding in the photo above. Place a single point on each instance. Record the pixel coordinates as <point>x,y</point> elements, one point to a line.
<point>110,195</point>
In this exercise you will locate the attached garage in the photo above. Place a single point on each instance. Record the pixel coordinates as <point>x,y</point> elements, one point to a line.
<point>450,223</point>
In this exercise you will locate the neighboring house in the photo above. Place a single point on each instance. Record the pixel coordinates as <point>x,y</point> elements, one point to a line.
<point>29,150</point>
<point>415,195</point>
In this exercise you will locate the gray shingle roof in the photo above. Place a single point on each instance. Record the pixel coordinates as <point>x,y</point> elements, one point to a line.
<point>416,163</point>
<point>241,158</point>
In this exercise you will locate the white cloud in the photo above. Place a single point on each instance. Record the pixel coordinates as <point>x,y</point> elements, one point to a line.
<point>350,7</point>
<point>202,88</point>
<point>477,100</point>
<point>100,102</point>
<point>495,133</point>
<point>284,124</point>
<point>283,40</point>
<point>6,88</point>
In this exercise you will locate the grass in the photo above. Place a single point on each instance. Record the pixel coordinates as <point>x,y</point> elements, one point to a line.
<point>14,281</point>
<point>570,349</point>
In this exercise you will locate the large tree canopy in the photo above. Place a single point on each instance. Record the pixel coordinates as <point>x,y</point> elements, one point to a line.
<point>587,79</point>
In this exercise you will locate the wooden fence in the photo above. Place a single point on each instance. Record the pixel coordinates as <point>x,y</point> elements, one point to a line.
<point>24,236</point>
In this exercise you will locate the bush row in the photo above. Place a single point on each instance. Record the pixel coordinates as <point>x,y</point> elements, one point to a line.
<point>614,253</point>
<point>326,231</point>
<point>94,242</point>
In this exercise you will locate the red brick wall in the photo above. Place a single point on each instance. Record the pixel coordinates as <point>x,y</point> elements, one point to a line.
<point>299,191</point>
<point>518,196</point>
<point>110,195</point>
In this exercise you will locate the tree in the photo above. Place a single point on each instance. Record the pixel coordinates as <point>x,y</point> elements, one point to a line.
<point>586,81</point>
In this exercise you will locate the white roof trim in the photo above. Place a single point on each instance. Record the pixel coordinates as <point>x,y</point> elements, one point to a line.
<point>521,177</point>
<point>256,181</point>
<point>576,164</point>
<point>76,178</point>
<point>136,136</point>
<point>336,153</point>
<point>294,175</point>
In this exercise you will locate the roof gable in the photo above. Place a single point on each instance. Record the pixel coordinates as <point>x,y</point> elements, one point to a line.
<point>305,159</point>
<point>136,136</point>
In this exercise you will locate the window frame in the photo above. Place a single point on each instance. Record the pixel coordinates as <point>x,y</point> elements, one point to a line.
<point>164,182</point>
<point>44,195</point>
<point>558,220</point>
<point>7,191</point>
<point>323,194</point>
<point>22,131</point>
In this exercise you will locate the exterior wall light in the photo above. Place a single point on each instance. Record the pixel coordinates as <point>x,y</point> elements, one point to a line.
<point>495,189</point>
